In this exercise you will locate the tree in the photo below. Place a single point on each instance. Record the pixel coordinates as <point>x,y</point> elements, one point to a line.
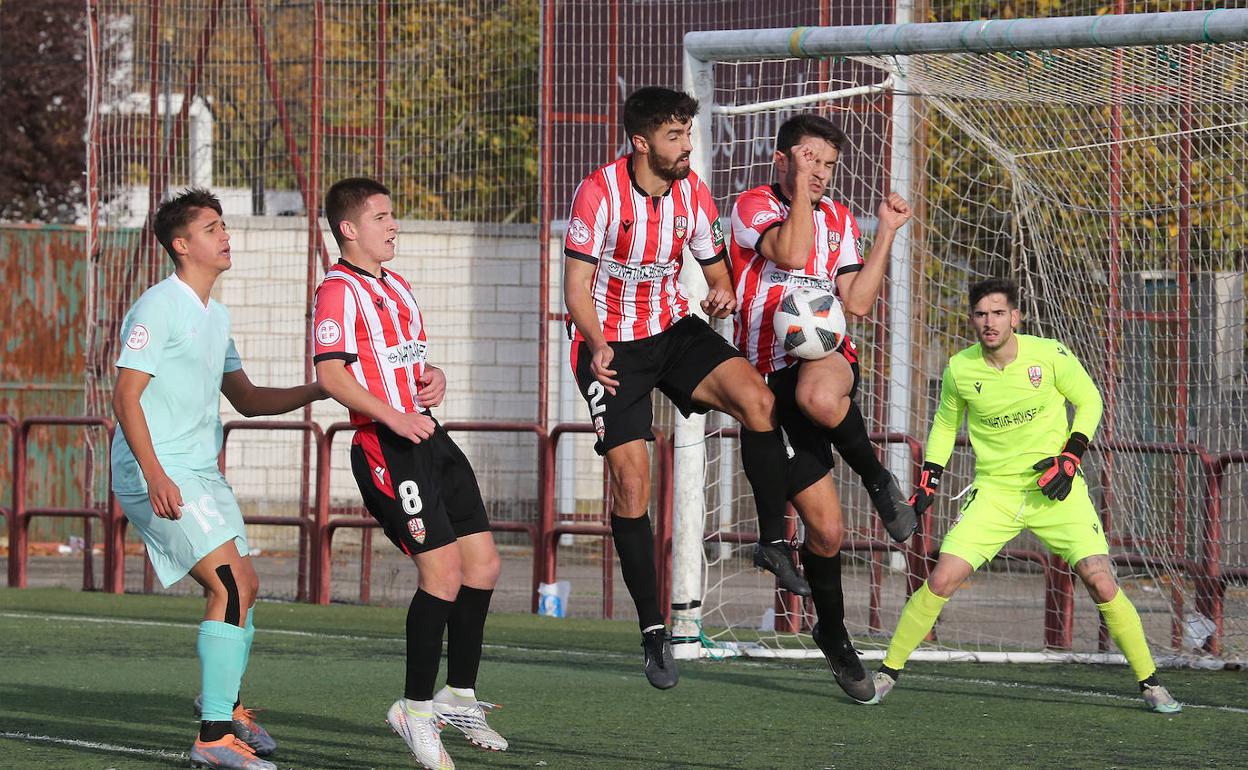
<point>43,75</point>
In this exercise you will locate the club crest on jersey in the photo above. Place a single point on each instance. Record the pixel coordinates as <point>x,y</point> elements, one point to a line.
<point>416,527</point>
<point>1036,374</point>
<point>680,225</point>
<point>834,240</point>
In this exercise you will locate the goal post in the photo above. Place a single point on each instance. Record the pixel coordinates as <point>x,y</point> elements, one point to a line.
<point>1097,161</point>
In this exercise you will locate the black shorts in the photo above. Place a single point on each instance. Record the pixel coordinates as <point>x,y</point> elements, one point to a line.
<point>424,495</point>
<point>812,450</point>
<point>675,361</point>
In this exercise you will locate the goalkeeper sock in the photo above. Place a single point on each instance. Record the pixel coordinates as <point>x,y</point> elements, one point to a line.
<point>915,623</point>
<point>824,575</point>
<point>1127,632</point>
<point>634,542</point>
<point>850,440</point>
<point>766,463</point>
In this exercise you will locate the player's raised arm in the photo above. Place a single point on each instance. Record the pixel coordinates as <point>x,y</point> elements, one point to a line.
<point>790,244</point>
<point>859,290</point>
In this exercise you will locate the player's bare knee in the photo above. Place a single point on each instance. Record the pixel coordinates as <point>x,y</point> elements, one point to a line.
<point>630,494</point>
<point>482,571</point>
<point>824,540</point>
<point>1101,586</point>
<point>826,408</point>
<point>757,408</point>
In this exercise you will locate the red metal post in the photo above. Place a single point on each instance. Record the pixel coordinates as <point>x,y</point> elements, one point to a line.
<point>379,147</point>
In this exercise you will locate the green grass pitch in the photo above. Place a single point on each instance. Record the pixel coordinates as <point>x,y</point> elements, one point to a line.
<point>92,681</point>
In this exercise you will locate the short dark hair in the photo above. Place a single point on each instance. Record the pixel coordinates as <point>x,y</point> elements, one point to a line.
<point>994,286</point>
<point>808,124</point>
<point>345,199</point>
<point>176,213</point>
<point>650,107</point>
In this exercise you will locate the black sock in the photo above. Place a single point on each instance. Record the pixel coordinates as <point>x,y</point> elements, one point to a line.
<point>465,628</point>
<point>824,575</point>
<point>850,440</point>
<point>210,730</point>
<point>766,466</point>
<point>1151,681</point>
<point>894,673</point>
<point>426,620</point>
<point>634,543</point>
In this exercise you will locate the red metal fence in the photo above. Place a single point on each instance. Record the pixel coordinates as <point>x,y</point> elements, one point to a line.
<point>317,521</point>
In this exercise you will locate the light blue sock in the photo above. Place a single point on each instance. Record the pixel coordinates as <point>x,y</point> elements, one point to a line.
<point>249,633</point>
<point>222,651</point>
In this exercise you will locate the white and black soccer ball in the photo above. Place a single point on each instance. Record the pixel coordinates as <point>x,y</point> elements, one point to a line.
<point>810,323</point>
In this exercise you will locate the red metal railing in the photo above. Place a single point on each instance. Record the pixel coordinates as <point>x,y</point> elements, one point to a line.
<point>327,525</point>
<point>306,520</point>
<point>21,514</point>
<point>551,529</point>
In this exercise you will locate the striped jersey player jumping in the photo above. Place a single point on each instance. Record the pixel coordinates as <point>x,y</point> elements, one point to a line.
<point>371,356</point>
<point>630,224</point>
<point>789,235</point>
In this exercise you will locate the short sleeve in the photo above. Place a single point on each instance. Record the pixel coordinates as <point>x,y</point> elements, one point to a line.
<point>754,213</point>
<point>587,222</point>
<point>333,322</point>
<point>233,362</point>
<point>145,335</point>
<point>706,242</point>
<point>848,255</point>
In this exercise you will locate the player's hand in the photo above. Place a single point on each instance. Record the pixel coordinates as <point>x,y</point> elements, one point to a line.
<point>720,303</point>
<point>1057,474</point>
<point>165,497</point>
<point>805,159</point>
<point>894,211</point>
<point>600,365</point>
<point>432,387</point>
<point>925,493</point>
<point>413,426</point>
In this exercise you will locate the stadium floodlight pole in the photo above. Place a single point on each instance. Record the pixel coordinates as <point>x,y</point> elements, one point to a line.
<point>1223,25</point>
<point>689,444</point>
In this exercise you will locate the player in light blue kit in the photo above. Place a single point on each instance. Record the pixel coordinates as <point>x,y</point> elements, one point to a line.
<point>176,360</point>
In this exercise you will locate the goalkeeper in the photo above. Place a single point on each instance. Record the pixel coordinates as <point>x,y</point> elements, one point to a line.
<point>1013,389</point>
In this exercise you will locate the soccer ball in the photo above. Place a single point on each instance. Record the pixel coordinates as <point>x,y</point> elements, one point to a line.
<point>810,323</point>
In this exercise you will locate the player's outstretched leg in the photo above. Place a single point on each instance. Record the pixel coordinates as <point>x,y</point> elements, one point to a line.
<point>916,622</point>
<point>851,441</point>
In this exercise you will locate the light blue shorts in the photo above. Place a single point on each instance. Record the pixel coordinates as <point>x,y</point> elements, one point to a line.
<point>210,517</point>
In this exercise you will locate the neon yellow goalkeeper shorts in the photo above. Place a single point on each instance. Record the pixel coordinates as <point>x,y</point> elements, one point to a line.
<point>991,517</point>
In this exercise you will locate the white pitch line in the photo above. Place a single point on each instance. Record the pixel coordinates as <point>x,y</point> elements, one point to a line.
<point>580,653</point>
<point>94,745</point>
<point>287,632</point>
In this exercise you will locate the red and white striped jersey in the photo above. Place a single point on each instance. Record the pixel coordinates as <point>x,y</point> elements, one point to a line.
<point>761,284</point>
<point>375,325</point>
<point>636,243</point>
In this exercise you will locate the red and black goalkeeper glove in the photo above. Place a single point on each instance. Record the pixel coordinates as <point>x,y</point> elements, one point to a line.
<point>925,492</point>
<point>1057,474</point>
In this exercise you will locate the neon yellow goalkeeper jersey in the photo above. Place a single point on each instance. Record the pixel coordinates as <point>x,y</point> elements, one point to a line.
<point>1016,415</point>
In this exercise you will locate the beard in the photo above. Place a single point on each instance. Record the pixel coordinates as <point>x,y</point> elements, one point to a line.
<point>668,172</point>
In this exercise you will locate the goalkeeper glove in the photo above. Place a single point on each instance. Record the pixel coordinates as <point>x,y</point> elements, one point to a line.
<point>925,493</point>
<point>1057,474</point>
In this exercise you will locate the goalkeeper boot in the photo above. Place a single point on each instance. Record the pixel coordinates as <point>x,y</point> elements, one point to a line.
<point>660,663</point>
<point>467,714</point>
<point>422,736</point>
<point>846,668</point>
<point>777,558</point>
<point>229,753</point>
<point>246,727</point>
<point>1160,700</point>
<point>883,686</point>
<point>895,512</point>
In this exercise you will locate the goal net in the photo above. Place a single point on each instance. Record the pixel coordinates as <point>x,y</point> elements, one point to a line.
<point>1109,182</point>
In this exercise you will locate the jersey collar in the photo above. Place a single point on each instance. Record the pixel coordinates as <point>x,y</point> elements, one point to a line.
<point>628,162</point>
<point>354,269</point>
<point>189,291</point>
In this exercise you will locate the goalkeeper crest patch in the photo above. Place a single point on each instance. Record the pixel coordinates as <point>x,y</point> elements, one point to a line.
<point>1036,374</point>
<point>416,528</point>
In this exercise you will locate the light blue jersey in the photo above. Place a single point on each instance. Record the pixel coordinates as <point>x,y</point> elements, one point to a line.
<point>186,347</point>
